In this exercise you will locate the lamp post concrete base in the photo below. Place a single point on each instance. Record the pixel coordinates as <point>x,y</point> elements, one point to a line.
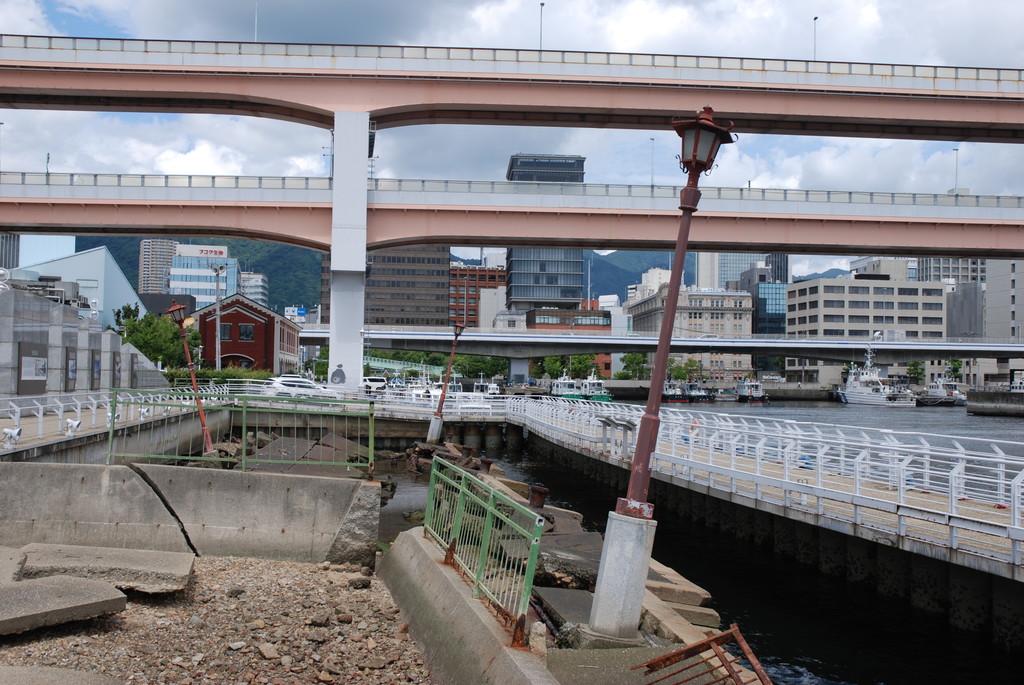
<point>434,430</point>
<point>622,577</point>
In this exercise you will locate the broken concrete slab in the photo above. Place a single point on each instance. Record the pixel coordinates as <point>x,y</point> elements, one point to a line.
<point>45,675</point>
<point>11,561</point>
<point>563,605</point>
<point>141,570</point>
<point>698,616</point>
<point>30,604</point>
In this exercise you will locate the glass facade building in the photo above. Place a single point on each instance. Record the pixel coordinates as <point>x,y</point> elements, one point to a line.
<point>544,277</point>
<point>408,286</point>
<point>192,273</point>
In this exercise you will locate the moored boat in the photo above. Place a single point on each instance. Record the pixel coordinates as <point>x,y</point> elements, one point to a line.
<point>565,388</point>
<point>942,392</point>
<point>593,389</point>
<point>696,393</point>
<point>674,391</point>
<point>750,392</point>
<point>864,386</point>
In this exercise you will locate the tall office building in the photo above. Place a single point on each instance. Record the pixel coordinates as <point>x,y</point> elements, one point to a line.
<point>408,286</point>
<point>959,269</point>
<point>194,271</point>
<point>716,270</point>
<point>256,287</point>
<point>548,277</point>
<point>155,258</point>
<point>9,246</point>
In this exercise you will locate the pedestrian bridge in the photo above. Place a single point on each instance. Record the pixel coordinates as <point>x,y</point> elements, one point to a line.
<point>297,210</point>
<point>954,499</point>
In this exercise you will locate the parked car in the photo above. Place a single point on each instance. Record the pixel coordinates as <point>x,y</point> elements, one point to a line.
<point>374,383</point>
<point>296,386</point>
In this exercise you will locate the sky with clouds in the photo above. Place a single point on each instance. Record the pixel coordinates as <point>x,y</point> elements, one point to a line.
<point>940,32</point>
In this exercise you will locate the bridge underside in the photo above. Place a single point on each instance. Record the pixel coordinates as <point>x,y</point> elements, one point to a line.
<point>309,225</point>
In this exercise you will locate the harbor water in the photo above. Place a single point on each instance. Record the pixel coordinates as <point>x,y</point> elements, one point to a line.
<point>807,628</point>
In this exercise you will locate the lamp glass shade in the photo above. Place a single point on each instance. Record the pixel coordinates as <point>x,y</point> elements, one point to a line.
<point>458,329</point>
<point>177,312</point>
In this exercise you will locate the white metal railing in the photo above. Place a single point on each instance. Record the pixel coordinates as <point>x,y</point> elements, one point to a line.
<point>961,493</point>
<point>567,58</point>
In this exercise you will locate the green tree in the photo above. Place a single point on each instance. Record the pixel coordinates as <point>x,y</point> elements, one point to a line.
<point>159,338</point>
<point>634,365</point>
<point>689,370</point>
<point>580,365</point>
<point>127,312</point>
<point>915,370</point>
<point>955,369</point>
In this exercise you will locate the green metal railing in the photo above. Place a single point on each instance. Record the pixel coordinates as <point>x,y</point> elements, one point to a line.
<point>248,430</point>
<point>492,539</point>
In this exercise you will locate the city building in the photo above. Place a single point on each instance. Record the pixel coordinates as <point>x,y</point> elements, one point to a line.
<point>466,286</point>
<point>864,308</point>
<point>701,312</point>
<point>55,347</point>
<point>156,256</point>
<point>408,286</point>
<point>543,278</point>
<point>957,269</point>
<point>256,287</point>
<point>91,278</point>
<point>10,244</point>
<point>896,268</point>
<point>769,302</point>
<point>202,271</point>
<point>545,168</point>
<point>251,336</point>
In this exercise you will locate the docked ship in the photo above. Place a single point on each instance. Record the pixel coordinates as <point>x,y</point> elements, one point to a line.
<point>593,389</point>
<point>750,392</point>
<point>566,388</point>
<point>674,391</point>
<point>942,392</point>
<point>864,386</point>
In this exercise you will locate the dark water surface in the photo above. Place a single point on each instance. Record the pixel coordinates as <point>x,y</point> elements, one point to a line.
<point>806,628</point>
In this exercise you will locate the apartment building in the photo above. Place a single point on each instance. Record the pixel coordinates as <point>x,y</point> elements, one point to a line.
<point>701,312</point>
<point>861,308</point>
<point>466,286</point>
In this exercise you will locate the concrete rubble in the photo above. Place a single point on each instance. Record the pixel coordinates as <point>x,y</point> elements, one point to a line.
<point>31,604</point>
<point>141,570</point>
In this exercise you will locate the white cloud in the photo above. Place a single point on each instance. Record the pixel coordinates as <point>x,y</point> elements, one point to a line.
<point>25,16</point>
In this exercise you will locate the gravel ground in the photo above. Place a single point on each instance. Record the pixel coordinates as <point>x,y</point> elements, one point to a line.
<point>241,621</point>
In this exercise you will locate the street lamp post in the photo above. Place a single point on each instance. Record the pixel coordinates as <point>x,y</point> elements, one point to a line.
<point>218,269</point>
<point>437,420</point>
<point>629,535</point>
<point>178,312</point>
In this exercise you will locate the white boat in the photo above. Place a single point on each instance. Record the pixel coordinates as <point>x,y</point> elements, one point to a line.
<point>565,387</point>
<point>942,392</point>
<point>750,392</point>
<point>864,386</point>
<point>593,389</point>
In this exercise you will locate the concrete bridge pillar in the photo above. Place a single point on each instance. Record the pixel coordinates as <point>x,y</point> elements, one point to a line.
<point>518,370</point>
<point>348,248</point>
<point>1007,612</point>
<point>929,584</point>
<point>471,436</point>
<point>970,599</point>
<point>492,440</point>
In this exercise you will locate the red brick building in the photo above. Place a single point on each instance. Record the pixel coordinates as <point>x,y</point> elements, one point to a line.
<point>464,286</point>
<point>251,336</point>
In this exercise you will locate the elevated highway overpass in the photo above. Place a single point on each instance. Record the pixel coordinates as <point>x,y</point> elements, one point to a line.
<point>499,343</point>
<point>357,90</point>
<point>400,212</point>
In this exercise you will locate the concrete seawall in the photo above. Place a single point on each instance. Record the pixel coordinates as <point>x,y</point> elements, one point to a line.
<point>181,509</point>
<point>986,403</point>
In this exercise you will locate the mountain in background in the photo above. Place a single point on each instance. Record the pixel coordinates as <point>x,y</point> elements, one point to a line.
<point>293,272</point>
<point>831,273</point>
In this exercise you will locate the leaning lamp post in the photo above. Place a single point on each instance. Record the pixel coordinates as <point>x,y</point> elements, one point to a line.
<point>437,420</point>
<point>629,535</point>
<point>178,312</point>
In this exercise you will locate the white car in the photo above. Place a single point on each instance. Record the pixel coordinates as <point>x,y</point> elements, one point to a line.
<point>374,383</point>
<point>296,386</point>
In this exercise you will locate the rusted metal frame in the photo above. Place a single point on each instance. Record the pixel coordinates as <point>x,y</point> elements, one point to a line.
<point>755,664</point>
<point>694,649</point>
<point>727,661</point>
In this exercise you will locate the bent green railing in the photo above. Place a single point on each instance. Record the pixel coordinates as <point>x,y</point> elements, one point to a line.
<point>489,537</point>
<point>248,430</point>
